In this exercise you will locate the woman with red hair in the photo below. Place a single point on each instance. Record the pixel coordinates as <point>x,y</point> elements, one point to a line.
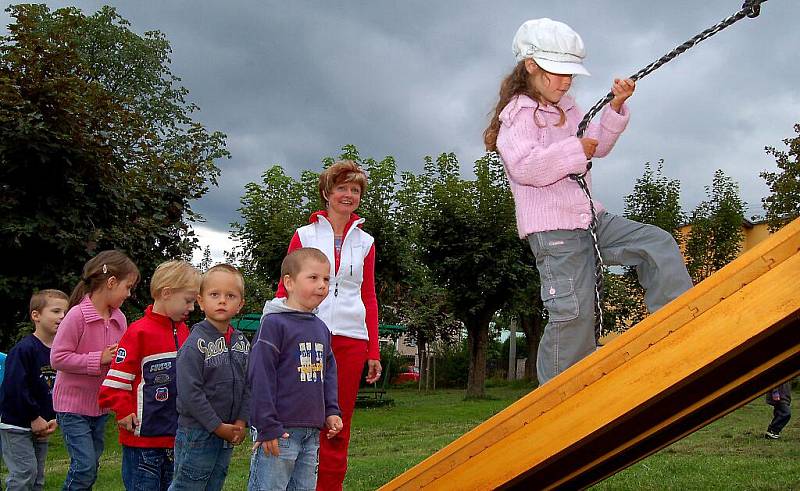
<point>351,308</point>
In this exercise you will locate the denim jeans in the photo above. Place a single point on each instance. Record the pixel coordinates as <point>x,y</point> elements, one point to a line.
<point>294,469</point>
<point>24,457</point>
<point>201,460</point>
<point>83,437</point>
<point>147,469</point>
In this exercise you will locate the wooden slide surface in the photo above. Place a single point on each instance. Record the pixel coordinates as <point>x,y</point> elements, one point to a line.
<point>715,348</point>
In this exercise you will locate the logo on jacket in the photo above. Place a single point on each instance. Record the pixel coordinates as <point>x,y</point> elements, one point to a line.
<point>310,371</point>
<point>161,379</point>
<point>162,394</point>
<point>121,354</point>
<point>242,346</point>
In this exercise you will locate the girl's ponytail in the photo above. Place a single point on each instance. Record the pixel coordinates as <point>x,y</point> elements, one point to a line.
<point>98,270</point>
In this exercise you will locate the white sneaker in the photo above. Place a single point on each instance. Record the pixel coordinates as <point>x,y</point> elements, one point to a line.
<point>771,436</point>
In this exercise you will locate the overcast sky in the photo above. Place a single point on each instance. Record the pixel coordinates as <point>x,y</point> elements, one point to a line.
<point>292,82</point>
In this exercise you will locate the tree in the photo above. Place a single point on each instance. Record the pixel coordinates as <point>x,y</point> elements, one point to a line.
<point>472,248</point>
<point>716,236</point>
<point>783,204</point>
<point>655,200</point>
<point>98,150</point>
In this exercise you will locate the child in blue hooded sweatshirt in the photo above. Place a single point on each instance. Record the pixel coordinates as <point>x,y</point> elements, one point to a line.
<point>292,365</point>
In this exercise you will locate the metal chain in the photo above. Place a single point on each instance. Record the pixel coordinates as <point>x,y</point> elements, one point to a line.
<point>750,8</point>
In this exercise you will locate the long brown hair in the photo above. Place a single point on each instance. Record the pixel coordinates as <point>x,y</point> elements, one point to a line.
<point>517,82</point>
<point>99,269</point>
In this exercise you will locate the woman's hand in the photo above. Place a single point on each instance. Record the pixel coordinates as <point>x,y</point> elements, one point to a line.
<point>622,89</point>
<point>374,373</point>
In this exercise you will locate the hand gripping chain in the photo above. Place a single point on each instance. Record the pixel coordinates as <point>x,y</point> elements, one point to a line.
<point>750,8</point>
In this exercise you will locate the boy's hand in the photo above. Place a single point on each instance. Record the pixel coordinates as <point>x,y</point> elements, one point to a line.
<point>230,433</point>
<point>270,446</point>
<point>776,395</point>
<point>129,422</point>
<point>108,354</point>
<point>622,89</point>
<point>589,146</point>
<point>39,426</point>
<point>241,424</point>
<point>334,424</point>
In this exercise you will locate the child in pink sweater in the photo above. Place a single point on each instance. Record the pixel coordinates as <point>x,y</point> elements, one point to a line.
<point>84,345</point>
<point>534,129</point>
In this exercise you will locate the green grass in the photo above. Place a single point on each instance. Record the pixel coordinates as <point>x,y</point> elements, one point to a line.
<point>728,454</point>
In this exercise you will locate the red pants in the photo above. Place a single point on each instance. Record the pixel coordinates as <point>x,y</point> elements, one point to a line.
<point>350,354</point>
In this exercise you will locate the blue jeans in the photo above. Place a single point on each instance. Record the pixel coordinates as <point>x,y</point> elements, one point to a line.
<point>83,437</point>
<point>201,460</point>
<point>294,469</point>
<point>147,469</point>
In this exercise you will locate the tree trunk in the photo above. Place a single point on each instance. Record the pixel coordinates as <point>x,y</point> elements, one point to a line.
<point>533,326</point>
<point>421,354</point>
<point>477,342</point>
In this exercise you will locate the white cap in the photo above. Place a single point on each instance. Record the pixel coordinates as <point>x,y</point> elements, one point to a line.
<point>553,45</point>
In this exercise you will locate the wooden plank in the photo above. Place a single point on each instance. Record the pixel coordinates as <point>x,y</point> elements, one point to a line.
<point>677,344</point>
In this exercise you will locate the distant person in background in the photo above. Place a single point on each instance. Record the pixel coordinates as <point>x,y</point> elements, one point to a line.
<point>780,398</point>
<point>27,418</point>
<point>351,308</point>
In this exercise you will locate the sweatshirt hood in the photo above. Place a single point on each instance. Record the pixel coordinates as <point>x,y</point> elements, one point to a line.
<point>278,306</point>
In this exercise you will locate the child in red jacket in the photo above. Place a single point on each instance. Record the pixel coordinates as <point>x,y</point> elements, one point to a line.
<point>140,386</point>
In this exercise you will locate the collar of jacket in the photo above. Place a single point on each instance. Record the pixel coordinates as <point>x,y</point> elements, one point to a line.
<point>90,313</point>
<point>522,101</point>
<point>355,220</point>
<point>160,319</point>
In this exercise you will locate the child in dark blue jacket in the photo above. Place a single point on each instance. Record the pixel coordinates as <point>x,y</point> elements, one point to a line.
<point>213,396</point>
<point>293,368</point>
<point>27,418</point>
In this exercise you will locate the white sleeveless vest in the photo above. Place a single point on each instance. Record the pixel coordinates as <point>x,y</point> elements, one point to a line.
<point>342,310</point>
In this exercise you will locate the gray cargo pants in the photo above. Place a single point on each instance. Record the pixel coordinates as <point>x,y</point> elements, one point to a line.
<point>24,455</point>
<point>566,268</point>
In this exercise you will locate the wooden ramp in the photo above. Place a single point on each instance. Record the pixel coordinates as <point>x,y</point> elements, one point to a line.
<point>718,346</point>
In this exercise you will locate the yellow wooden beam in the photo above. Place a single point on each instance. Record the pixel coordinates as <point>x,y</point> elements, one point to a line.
<point>720,344</point>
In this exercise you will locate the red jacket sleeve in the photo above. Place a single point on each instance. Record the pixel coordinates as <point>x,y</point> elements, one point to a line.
<point>370,300</point>
<point>293,244</point>
<point>116,392</point>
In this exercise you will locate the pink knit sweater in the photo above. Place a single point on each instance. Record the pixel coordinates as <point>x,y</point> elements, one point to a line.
<point>538,161</point>
<point>79,342</point>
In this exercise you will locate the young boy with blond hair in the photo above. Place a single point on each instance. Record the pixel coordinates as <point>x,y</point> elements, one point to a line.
<point>140,386</point>
<point>293,367</point>
<point>27,418</point>
<point>213,395</point>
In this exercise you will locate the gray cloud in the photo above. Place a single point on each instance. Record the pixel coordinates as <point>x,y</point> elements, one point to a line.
<point>291,82</point>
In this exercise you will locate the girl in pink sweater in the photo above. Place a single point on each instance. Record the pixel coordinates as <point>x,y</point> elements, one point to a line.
<point>84,345</point>
<point>534,129</point>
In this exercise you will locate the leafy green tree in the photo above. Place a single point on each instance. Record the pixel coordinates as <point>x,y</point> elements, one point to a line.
<point>271,211</point>
<point>783,204</point>
<point>98,150</point>
<point>716,235</point>
<point>472,248</point>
